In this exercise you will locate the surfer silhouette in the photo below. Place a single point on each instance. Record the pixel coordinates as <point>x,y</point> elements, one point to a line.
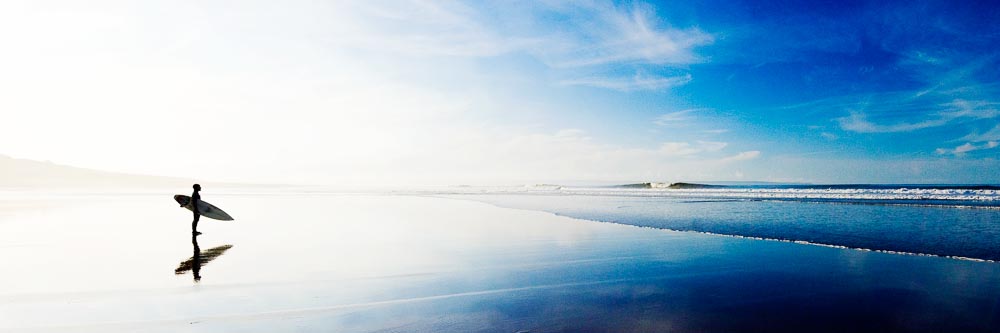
<point>195,197</point>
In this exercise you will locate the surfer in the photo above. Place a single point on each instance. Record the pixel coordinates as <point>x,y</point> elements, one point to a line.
<point>195,197</point>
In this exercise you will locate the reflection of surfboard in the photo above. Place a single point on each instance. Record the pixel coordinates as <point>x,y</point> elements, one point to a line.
<point>203,258</point>
<point>206,209</point>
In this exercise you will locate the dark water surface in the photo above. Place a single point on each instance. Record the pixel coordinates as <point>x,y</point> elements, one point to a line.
<point>380,263</point>
<point>935,230</point>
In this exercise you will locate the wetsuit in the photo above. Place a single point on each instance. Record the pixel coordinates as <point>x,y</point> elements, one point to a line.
<point>195,197</point>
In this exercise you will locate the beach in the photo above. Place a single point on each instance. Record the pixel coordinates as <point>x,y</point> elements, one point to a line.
<point>367,262</point>
<point>500,166</point>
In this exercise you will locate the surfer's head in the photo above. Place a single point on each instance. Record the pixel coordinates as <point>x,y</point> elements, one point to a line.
<point>196,187</point>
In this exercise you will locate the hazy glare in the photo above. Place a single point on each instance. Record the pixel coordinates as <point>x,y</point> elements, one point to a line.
<point>346,92</point>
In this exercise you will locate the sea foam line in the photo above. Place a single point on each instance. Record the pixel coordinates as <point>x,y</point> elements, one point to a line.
<point>801,242</point>
<point>951,198</point>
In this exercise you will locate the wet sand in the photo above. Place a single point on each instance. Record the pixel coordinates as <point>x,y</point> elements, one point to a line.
<point>374,263</point>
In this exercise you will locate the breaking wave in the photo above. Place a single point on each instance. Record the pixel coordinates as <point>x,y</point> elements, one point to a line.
<point>985,196</point>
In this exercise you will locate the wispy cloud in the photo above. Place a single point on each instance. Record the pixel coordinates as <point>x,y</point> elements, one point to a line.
<point>950,95</point>
<point>965,148</point>
<point>680,118</point>
<point>591,34</point>
<point>991,135</point>
<point>636,82</point>
<point>858,122</point>
<point>423,28</point>
<point>633,34</point>
<point>592,37</point>
<point>607,36</point>
<point>743,156</point>
<point>944,114</point>
<point>687,149</point>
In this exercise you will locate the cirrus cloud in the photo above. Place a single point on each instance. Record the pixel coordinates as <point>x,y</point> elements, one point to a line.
<point>966,148</point>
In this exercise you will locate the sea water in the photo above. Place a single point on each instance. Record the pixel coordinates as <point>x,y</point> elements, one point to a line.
<point>319,262</point>
<point>961,222</point>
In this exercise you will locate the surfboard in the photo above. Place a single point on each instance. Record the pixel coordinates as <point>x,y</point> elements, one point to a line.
<point>206,209</point>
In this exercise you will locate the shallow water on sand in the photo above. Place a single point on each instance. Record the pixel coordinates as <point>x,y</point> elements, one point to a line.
<point>966,232</point>
<point>345,262</point>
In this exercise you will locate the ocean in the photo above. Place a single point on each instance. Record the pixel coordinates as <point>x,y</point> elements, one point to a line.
<point>530,259</point>
<point>956,221</point>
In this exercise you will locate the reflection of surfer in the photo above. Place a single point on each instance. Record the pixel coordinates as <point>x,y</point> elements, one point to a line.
<point>196,257</point>
<point>195,197</point>
<point>199,258</point>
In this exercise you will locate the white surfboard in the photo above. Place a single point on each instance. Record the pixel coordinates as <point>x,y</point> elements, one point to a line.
<point>206,209</point>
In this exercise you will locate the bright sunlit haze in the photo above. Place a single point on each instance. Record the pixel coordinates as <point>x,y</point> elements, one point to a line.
<point>499,166</point>
<point>421,93</point>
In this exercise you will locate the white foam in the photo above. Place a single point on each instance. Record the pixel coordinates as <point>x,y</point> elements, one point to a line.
<point>802,242</point>
<point>973,196</point>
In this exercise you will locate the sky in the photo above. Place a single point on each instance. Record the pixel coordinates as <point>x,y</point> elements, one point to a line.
<point>507,92</point>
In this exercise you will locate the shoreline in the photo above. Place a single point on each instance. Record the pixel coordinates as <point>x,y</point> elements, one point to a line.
<point>375,262</point>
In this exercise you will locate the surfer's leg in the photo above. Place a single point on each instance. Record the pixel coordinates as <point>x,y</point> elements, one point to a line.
<point>194,224</point>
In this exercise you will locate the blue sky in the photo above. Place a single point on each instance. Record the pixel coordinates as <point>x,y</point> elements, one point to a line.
<point>872,83</point>
<point>907,78</point>
<point>423,92</point>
